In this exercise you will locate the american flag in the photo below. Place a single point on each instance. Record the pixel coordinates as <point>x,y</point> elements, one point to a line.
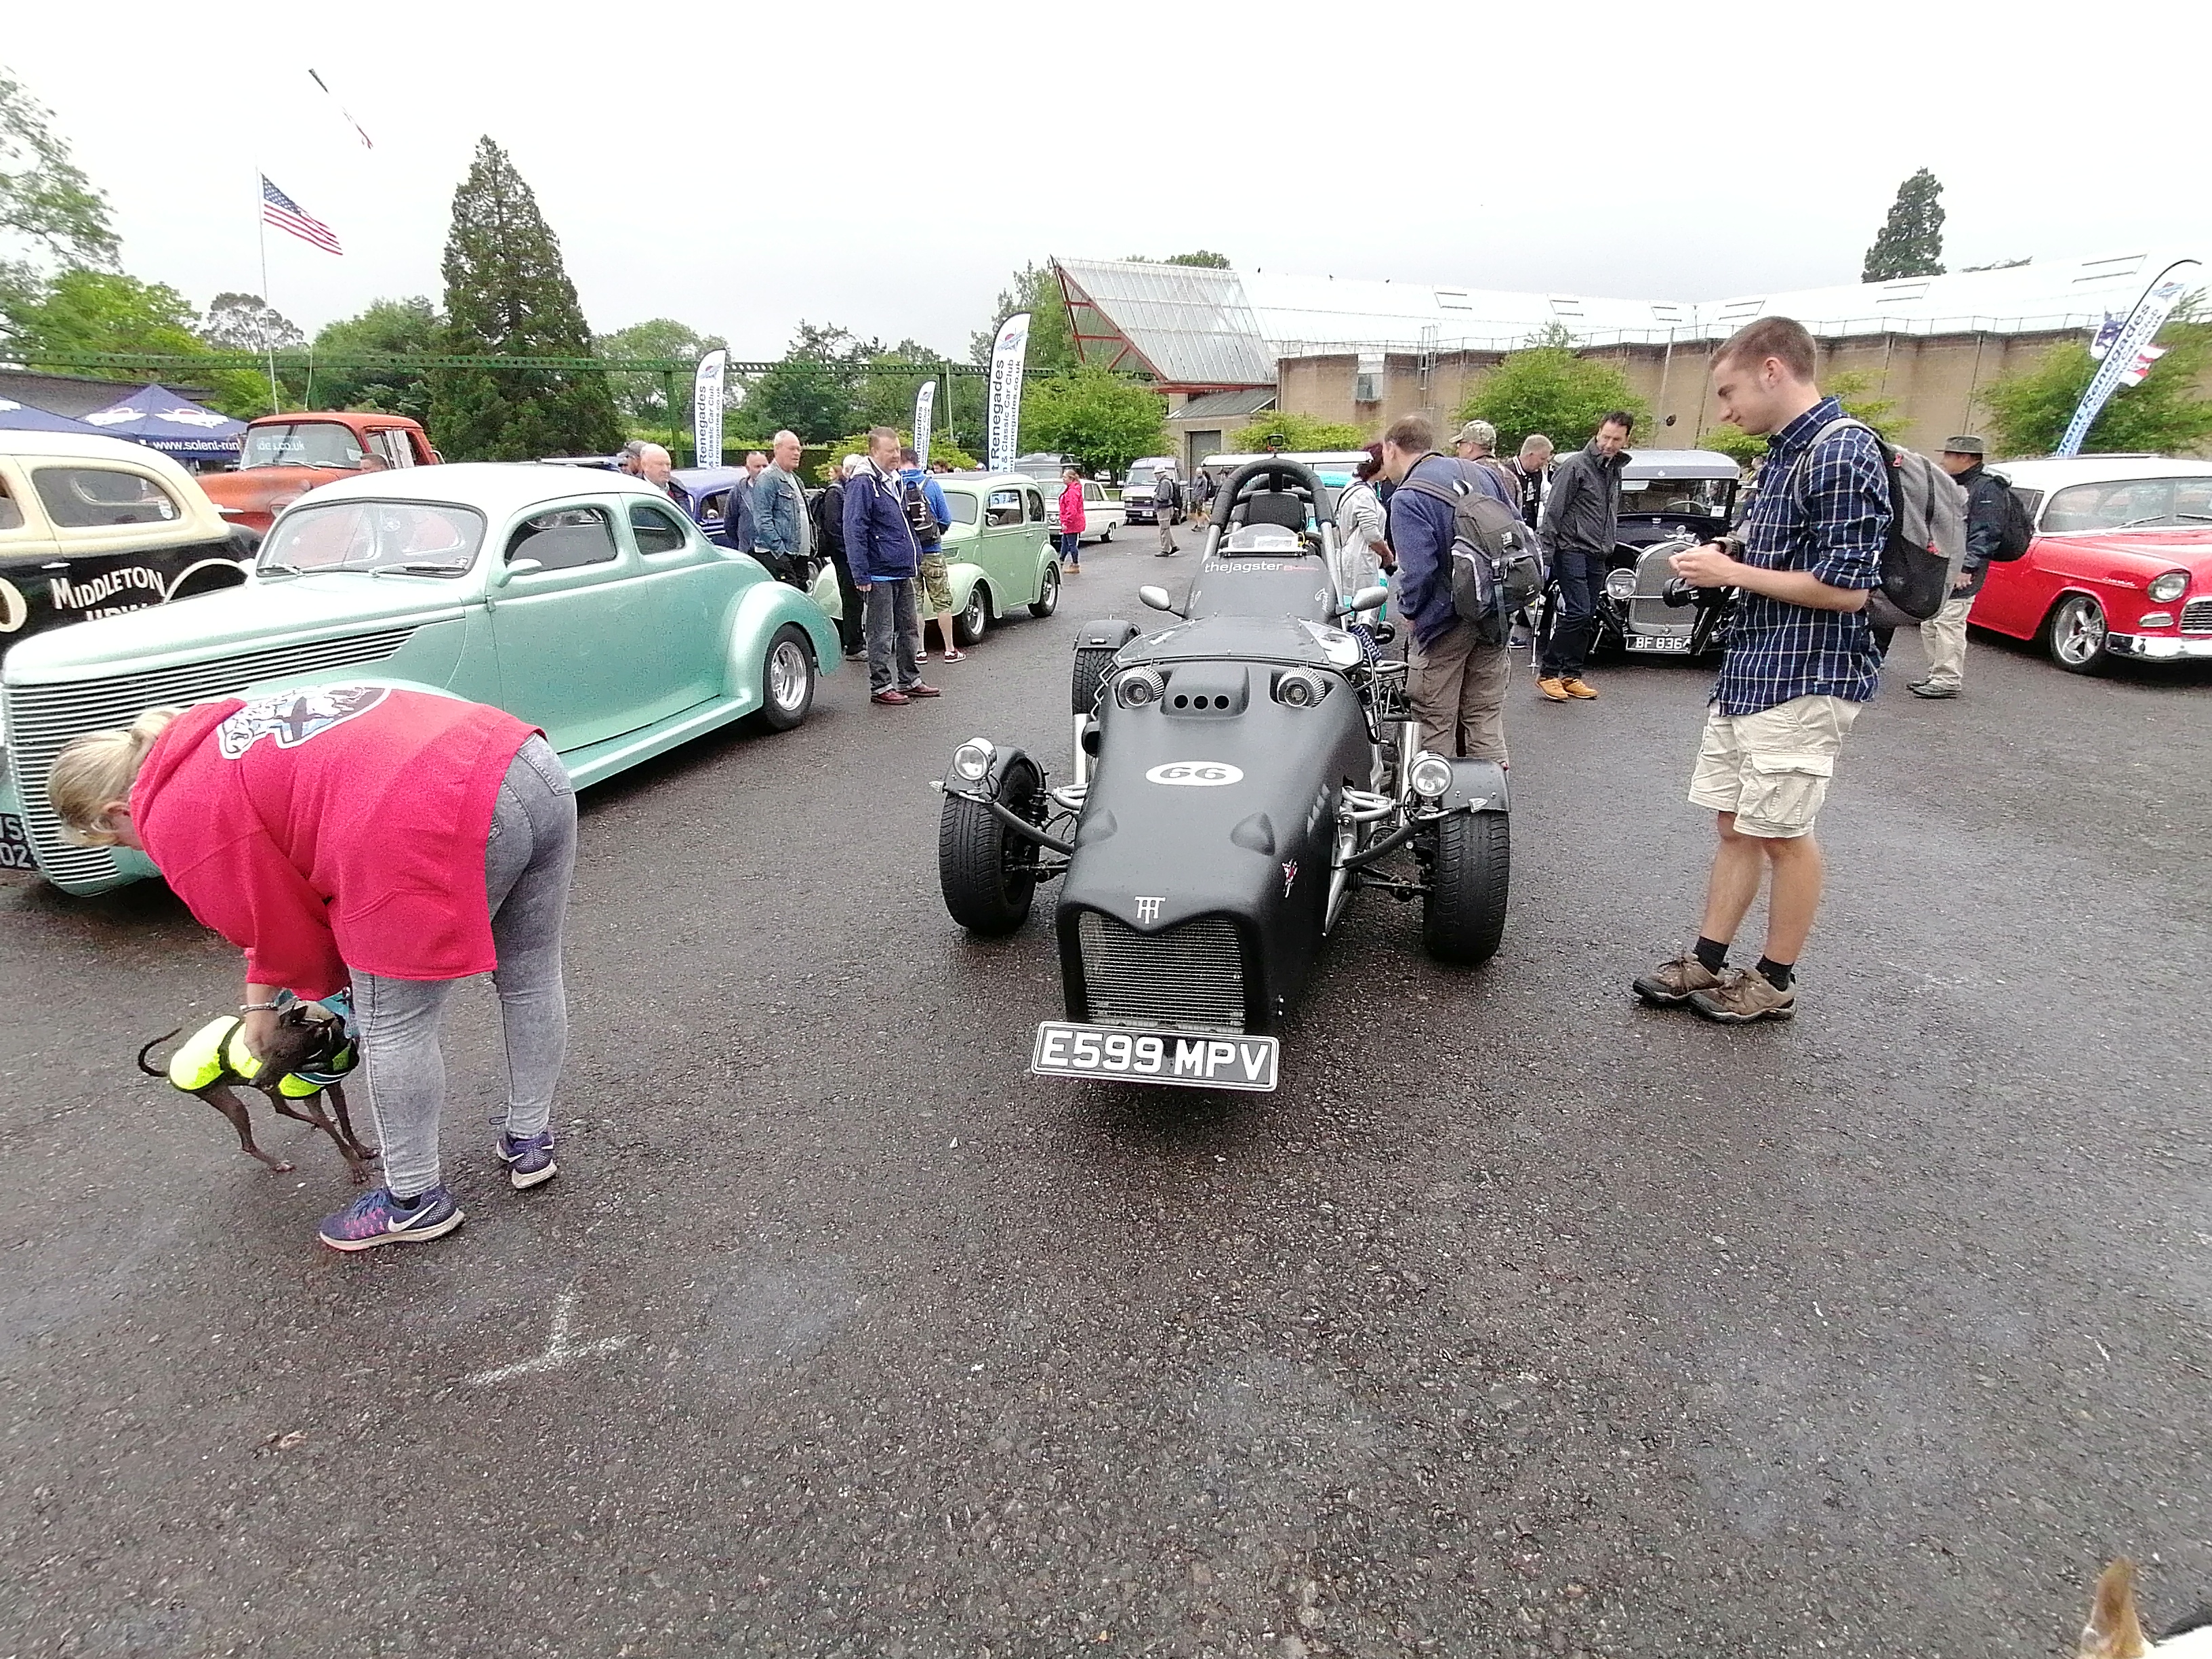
<point>281,211</point>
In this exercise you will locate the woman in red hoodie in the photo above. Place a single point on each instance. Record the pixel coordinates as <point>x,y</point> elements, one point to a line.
<point>396,840</point>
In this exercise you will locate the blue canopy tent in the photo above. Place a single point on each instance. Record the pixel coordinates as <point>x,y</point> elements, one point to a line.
<point>21,417</point>
<point>160,419</point>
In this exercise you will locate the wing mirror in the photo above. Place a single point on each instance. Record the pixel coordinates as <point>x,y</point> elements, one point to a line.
<point>1368,599</point>
<point>515,567</point>
<point>1158,598</point>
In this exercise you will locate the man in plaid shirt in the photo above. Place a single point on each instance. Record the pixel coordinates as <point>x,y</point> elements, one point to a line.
<point>1802,659</point>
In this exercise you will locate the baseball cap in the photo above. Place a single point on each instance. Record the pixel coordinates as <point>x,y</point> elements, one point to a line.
<point>1477,432</point>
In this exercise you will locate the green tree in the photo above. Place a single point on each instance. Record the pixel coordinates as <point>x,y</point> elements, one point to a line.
<point>49,213</point>
<point>388,328</point>
<point>1102,419</point>
<point>1546,388</point>
<point>1035,288</point>
<point>1204,257</point>
<point>1911,240</point>
<point>508,294</point>
<point>856,443</point>
<point>642,399</point>
<point>79,310</point>
<point>813,390</point>
<point>887,385</point>
<point>246,322</point>
<point>2029,410</point>
<point>1297,433</point>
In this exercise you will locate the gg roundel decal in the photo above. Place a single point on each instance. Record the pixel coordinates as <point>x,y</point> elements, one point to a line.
<point>1202,775</point>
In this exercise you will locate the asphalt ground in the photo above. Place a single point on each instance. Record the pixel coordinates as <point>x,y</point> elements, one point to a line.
<point>1522,1320</point>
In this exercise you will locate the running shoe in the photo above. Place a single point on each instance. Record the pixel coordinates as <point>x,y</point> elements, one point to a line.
<point>529,1160</point>
<point>377,1217</point>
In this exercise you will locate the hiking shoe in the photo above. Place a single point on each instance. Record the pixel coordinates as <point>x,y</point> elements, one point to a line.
<point>1743,996</point>
<point>377,1217</point>
<point>529,1160</point>
<point>1578,687</point>
<point>1931,688</point>
<point>1552,686</point>
<point>918,689</point>
<point>890,699</point>
<point>1672,983</point>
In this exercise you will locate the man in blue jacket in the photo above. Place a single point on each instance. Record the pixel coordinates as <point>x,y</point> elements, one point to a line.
<point>1455,681</point>
<point>879,547</point>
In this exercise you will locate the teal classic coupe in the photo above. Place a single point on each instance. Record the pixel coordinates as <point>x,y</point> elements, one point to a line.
<point>587,603</point>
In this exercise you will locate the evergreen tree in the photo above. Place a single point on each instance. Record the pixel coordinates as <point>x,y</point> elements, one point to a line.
<point>1911,240</point>
<point>508,294</point>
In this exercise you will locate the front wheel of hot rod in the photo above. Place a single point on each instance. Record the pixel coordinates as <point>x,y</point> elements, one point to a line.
<point>1463,916</point>
<point>983,867</point>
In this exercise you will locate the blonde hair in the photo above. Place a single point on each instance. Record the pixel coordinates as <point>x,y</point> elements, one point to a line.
<point>96,769</point>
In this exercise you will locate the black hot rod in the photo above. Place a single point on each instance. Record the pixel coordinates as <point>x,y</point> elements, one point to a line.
<point>1236,774</point>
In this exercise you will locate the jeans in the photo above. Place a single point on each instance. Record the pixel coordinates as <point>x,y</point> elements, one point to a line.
<point>894,635</point>
<point>1457,688</point>
<point>529,856</point>
<point>1071,547</point>
<point>1581,579</point>
<point>852,631</point>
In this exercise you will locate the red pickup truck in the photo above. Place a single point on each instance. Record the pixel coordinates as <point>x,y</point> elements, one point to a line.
<point>282,456</point>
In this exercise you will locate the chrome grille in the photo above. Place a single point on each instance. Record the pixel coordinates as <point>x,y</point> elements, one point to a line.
<point>1189,978</point>
<point>1648,610</point>
<point>43,718</point>
<point>2197,616</point>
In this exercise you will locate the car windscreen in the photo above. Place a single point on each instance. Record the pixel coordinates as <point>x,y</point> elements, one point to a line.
<point>962,506</point>
<point>2131,504</point>
<point>413,538</point>
<point>1704,495</point>
<point>303,443</point>
<point>1139,477</point>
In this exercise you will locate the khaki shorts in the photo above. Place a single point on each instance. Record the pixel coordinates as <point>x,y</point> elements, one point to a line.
<point>1772,769</point>
<point>934,584</point>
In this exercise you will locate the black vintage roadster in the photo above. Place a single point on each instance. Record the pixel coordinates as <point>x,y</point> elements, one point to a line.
<point>1236,776</point>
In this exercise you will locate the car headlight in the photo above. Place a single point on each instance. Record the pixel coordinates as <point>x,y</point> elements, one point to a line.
<point>971,761</point>
<point>2167,588</point>
<point>1140,688</point>
<point>1300,688</point>
<point>1431,775</point>
<point>1620,584</point>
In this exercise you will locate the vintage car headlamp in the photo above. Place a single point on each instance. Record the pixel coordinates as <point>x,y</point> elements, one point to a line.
<point>2167,588</point>
<point>1300,688</point>
<point>1140,688</point>
<point>1431,776</point>
<point>971,761</point>
<point>1620,584</point>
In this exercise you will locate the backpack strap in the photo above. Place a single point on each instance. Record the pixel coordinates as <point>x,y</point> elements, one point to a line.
<point>1805,455</point>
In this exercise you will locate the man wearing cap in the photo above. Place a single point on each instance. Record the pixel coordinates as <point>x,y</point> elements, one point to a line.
<point>1475,446</point>
<point>1944,634</point>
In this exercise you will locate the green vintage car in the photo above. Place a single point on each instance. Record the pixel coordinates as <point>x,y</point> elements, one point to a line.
<point>999,551</point>
<point>587,603</point>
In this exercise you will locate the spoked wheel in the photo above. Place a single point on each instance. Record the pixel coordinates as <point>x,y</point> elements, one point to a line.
<point>982,866</point>
<point>2076,635</point>
<point>1463,917</point>
<point>1047,599</point>
<point>786,679</point>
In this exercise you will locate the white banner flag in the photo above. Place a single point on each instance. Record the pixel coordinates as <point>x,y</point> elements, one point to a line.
<point>2120,352</point>
<point>1007,356</point>
<point>925,401</point>
<point>707,408</point>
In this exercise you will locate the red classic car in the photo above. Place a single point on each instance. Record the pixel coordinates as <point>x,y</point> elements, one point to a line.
<point>2121,564</point>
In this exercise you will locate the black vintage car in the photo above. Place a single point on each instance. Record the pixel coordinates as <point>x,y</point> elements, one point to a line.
<point>1236,776</point>
<point>1669,499</point>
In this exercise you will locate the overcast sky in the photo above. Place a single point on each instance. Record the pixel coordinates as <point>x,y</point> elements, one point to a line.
<point>886,168</point>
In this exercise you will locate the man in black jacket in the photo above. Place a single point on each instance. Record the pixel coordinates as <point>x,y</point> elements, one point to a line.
<point>1580,518</point>
<point>827,513</point>
<point>1944,634</point>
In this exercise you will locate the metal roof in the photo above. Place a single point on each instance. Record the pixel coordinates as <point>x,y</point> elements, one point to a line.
<point>1221,405</point>
<point>1213,328</point>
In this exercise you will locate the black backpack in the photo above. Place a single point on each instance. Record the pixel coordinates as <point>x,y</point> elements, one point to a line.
<point>1495,568</point>
<point>920,518</point>
<point>1927,540</point>
<point>2019,523</point>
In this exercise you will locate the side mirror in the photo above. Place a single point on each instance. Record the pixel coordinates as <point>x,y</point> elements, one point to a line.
<point>1158,598</point>
<point>515,567</point>
<point>1368,599</point>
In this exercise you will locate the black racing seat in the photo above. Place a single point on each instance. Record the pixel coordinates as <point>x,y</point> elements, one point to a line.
<point>1277,507</point>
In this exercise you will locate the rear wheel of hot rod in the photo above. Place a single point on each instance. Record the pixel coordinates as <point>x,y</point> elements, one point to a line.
<point>1091,668</point>
<point>981,865</point>
<point>1463,916</point>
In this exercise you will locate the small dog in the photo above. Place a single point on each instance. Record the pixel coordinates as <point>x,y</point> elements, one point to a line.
<point>2114,1632</point>
<point>306,1057</point>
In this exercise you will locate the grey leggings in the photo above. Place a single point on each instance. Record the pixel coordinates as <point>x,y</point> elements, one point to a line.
<point>529,856</point>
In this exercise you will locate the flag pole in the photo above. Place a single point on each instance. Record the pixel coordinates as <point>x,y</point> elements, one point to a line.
<point>261,231</point>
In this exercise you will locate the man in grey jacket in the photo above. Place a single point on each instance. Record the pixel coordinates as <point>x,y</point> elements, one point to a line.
<point>782,535</point>
<point>1580,518</point>
<point>1944,634</point>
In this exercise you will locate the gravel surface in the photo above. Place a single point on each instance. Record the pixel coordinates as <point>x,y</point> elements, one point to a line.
<point>1522,1320</point>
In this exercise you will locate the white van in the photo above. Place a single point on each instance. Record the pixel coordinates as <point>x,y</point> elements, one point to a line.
<point>1136,488</point>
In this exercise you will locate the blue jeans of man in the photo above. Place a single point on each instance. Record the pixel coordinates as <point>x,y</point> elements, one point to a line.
<point>894,635</point>
<point>1580,577</point>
